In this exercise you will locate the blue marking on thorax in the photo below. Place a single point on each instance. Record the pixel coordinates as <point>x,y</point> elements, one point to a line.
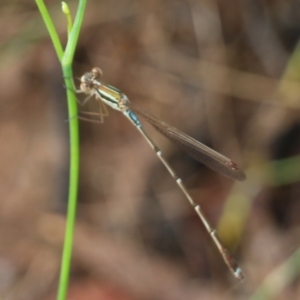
<point>133,118</point>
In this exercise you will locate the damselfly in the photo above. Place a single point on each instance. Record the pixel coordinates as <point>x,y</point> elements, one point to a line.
<point>113,97</point>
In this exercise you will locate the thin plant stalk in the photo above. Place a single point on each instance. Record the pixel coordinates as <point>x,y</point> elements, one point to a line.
<point>66,59</point>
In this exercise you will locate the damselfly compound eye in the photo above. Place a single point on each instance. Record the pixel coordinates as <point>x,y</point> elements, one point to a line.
<point>97,73</point>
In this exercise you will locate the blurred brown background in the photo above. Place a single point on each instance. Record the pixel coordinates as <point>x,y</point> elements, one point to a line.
<point>213,69</point>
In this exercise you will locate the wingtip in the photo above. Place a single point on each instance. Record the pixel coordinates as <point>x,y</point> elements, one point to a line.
<point>239,175</point>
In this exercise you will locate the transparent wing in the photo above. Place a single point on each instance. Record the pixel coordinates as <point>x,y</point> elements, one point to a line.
<point>195,149</point>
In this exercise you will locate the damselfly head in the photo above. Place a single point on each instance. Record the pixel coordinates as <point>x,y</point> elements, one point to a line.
<point>87,83</point>
<point>97,73</point>
<point>89,80</point>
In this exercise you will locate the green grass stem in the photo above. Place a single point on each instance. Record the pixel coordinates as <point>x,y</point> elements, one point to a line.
<point>66,59</point>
